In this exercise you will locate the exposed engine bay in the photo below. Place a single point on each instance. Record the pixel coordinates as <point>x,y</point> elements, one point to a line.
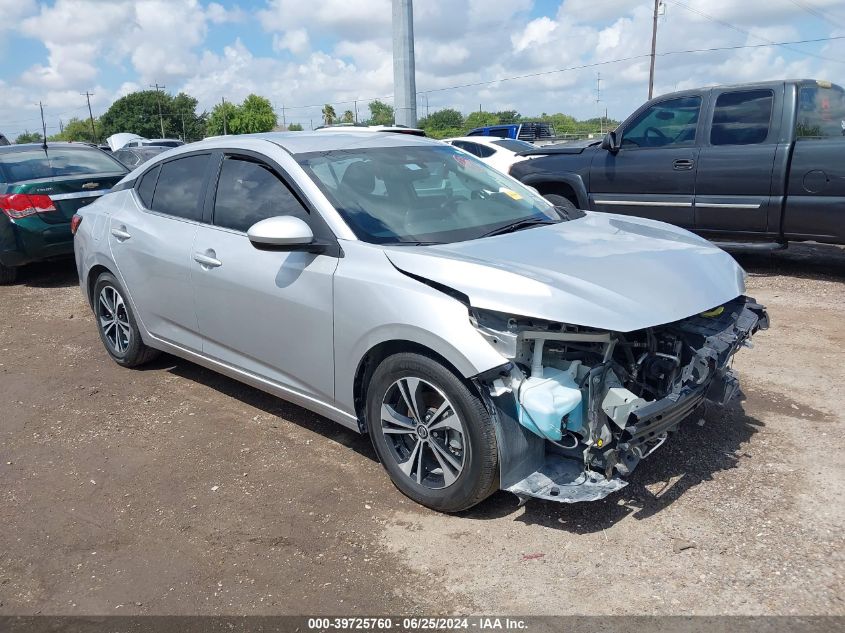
<point>590,405</point>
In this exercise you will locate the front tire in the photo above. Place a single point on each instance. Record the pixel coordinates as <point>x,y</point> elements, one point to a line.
<point>561,201</point>
<point>432,433</point>
<point>116,324</point>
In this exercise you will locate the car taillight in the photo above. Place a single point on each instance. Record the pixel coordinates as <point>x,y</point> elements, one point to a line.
<point>21,205</point>
<point>75,221</point>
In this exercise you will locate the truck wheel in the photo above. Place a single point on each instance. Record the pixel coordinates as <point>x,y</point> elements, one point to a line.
<point>432,434</point>
<point>560,201</point>
<point>8,275</point>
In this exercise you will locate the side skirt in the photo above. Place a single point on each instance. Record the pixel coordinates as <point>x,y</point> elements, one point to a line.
<point>280,391</point>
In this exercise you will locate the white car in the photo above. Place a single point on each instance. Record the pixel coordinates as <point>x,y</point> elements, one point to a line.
<point>499,153</point>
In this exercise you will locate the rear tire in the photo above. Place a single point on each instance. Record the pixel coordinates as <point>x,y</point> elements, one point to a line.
<point>8,275</point>
<point>116,324</point>
<point>441,450</point>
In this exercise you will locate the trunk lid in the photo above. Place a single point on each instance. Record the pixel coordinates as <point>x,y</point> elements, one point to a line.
<point>68,193</point>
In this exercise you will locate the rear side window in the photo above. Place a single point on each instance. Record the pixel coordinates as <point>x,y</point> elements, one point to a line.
<point>148,185</point>
<point>179,190</point>
<point>821,113</point>
<point>56,162</point>
<point>248,192</point>
<point>742,118</point>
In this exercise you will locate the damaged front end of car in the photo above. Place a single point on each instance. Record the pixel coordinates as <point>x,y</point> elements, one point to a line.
<point>577,409</point>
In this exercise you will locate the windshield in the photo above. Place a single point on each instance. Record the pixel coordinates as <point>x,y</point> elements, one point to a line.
<point>426,194</point>
<point>56,161</point>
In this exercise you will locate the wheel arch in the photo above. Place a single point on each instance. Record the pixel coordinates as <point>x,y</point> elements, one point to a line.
<point>377,354</point>
<point>91,280</point>
<point>570,186</point>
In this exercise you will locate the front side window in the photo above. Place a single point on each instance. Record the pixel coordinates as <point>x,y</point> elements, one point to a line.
<point>250,191</point>
<point>179,191</point>
<point>821,113</point>
<point>742,118</point>
<point>391,195</point>
<point>670,122</point>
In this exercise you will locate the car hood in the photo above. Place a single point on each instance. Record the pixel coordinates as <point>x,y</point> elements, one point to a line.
<point>604,271</point>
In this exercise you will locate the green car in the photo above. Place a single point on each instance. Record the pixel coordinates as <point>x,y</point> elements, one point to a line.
<point>40,190</point>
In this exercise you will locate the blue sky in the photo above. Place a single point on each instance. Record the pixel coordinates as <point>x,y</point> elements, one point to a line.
<point>303,54</point>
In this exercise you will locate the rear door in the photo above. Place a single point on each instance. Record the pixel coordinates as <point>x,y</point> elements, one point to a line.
<point>266,312</point>
<point>733,187</point>
<point>150,239</point>
<point>653,173</point>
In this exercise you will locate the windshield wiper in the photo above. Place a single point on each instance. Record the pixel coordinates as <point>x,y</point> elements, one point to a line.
<point>524,223</point>
<point>414,243</point>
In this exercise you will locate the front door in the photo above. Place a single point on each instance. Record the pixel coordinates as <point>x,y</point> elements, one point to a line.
<point>653,173</point>
<point>265,312</point>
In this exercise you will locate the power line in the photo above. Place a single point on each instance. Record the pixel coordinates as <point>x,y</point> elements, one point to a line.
<point>749,33</point>
<point>817,12</point>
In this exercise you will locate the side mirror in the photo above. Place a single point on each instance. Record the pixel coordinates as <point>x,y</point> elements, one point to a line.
<point>283,233</point>
<point>610,142</point>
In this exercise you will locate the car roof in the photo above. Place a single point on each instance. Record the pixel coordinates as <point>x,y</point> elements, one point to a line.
<point>22,147</point>
<point>753,85</point>
<point>323,141</point>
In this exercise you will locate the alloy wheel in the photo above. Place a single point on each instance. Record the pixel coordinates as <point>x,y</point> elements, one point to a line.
<point>114,320</point>
<point>424,433</point>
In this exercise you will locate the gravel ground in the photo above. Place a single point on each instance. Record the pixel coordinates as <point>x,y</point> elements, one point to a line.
<point>173,490</point>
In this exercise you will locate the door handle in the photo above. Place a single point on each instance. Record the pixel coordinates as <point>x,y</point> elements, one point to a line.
<point>683,164</point>
<point>121,234</point>
<point>207,261</point>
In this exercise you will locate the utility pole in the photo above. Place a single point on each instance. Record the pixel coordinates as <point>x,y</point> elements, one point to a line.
<point>404,73</point>
<point>43,126</point>
<point>223,110</point>
<point>88,96</point>
<point>598,102</point>
<point>653,49</point>
<point>158,98</point>
<point>284,119</point>
<point>356,111</point>
<point>182,112</point>
<point>61,127</point>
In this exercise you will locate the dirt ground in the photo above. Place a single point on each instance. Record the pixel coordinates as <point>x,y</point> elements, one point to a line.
<point>172,490</point>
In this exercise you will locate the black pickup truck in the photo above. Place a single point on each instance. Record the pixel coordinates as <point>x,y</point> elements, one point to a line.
<point>756,163</point>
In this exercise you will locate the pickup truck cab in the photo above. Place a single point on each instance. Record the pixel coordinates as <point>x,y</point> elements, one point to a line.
<point>758,162</point>
<point>529,131</point>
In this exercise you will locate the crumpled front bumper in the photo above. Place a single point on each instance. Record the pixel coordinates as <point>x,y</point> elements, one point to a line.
<point>564,479</point>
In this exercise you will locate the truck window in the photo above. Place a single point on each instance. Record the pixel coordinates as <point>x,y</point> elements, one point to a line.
<point>742,118</point>
<point>670,122</point>
<point>821,113</point>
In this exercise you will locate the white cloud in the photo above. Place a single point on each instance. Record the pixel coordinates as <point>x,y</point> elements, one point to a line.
<point>337,51</point>
<point>295,40</point>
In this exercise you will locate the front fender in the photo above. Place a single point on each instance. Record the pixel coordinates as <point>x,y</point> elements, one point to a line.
<point>375,303</point>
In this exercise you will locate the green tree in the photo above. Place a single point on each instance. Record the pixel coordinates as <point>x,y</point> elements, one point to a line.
<point>480,119</point>
<point>221,112</point>
<point>380,113</point>
<point>442,119</point>
<point>29,137</point>
<point>348,117</point>
<point>79,130</point>
<point>191,126</point>
<point>295,127</point>
<point>329,114</point>
<point>254,115</point>
<point>508,116</point>
<point>138,113</point>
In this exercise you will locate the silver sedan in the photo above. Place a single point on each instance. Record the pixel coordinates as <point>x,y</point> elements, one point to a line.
<point>483,338</point>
